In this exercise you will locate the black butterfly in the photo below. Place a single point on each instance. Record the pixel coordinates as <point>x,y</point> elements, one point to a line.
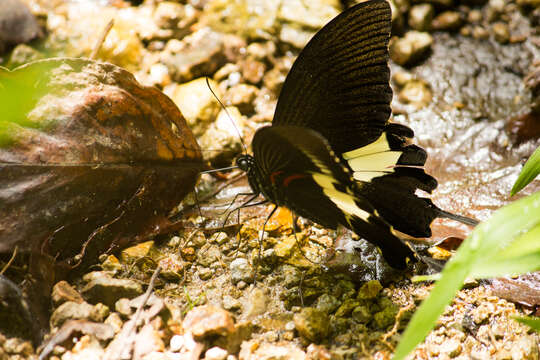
<point>331,155</point>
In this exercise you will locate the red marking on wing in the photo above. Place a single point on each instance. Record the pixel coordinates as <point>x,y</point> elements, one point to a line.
<point>273,176</point>
<point>290,178</point>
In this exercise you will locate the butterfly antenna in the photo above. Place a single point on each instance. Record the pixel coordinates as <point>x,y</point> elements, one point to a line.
<point>228,115</point>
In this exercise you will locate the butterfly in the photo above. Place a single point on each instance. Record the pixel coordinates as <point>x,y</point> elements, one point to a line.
<point>331,155</point>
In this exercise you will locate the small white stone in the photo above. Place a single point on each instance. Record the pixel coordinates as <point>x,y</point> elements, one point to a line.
<point>177,342</point>
<point>216,353</point>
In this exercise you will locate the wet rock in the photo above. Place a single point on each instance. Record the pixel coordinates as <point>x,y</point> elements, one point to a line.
<point>410,49</point>
<point>134,253</point>
<point>63,291</point>
<point>416,92</point>
<point>108,290</point>
<point>241,270</point>
<point>17,24</point>
<point>451,348</point>
<point>312,324</point>
<point>253,350</point>
<point>501,32</point>
<point>291,276</point>
<point>167,14</point>
<point>327,303</point>
<point>88,347</point>
<point>420,17</point>
<point>318,352</point>
<point>81,311</point>
<point>207,320</point>
<point>196,102</point>
<point>241,96</point>
<point>447,21</point>
<point>369,290</point>
<point>215,353</point>
<point>257,303</point>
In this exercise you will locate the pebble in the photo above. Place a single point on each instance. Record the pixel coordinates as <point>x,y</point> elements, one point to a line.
<point>206,320</point>
<point>18,346</point>
<point>196,102</point>
<point>241,270</point>
<point>420,17</point>
<point>231,304</point>
<point>312,324</point>
<point>81,311</point>
<point>205,273</point>
<point>327,303</point>
<point>114,321</point>
<point>188,253</point>
<point>108,290</point>
<point>215,353</point>
<point>479,32</point>
<point>257,303</point>
<point>369,290</point>
<point>134,253</point>
<point>253,70</point>
<point>159,75</point>
<point>347,307</point>
<point>241,96</point>
<point>253,350</point>
<point>362,314</point>
<point>447,21</point>
<point>208,256</point>
<point>63,291</point>
<point>501,32</point>
<point>416,92</point>
<point>411,48</point>
<point>123,307</point>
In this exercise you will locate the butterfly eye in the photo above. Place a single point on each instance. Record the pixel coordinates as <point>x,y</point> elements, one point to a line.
<point>243,163</point>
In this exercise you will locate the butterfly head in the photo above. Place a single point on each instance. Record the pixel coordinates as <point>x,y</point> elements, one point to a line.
<point>245,163</point>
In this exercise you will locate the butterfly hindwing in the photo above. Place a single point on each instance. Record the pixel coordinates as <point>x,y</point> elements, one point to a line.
<point>339,84</point>
<point>306,176</point>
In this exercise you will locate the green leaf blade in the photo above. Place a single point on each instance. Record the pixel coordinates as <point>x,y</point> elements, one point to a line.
<point>530,171</point>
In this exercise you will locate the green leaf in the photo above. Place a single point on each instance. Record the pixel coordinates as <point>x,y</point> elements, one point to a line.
<point>532,322</point>
<point>495,247</point>
<point>529,172</point>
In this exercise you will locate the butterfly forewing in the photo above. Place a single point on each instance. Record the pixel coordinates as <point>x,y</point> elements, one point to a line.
<point>339,85</point>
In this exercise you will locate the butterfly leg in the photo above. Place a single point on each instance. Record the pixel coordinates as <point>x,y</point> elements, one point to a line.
<point>234,200</point>
<point>244,204</point>
<point>261,238</point>
<point>295,227</point>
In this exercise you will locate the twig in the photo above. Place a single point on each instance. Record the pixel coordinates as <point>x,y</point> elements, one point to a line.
<point>101,39</point>
<point>125,337</point>
<point>10,260</point>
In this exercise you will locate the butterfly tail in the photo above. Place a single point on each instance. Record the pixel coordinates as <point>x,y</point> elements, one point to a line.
<point>462,219</point>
